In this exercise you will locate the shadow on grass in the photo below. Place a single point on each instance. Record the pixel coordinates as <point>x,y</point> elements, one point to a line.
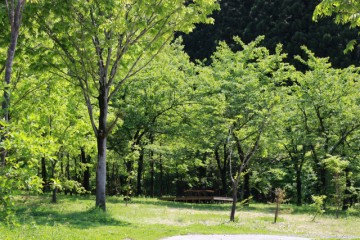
<point>182,205</point>
<point>85,219</point>
<point>253,207</point>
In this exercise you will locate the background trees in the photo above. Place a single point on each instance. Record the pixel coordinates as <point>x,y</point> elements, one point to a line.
<point>287,22</point>
<point>246,122</point>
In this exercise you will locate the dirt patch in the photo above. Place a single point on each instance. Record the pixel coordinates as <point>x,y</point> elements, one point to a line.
<point>235,237</point>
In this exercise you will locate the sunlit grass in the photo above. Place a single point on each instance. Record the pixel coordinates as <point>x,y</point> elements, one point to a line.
<point>74,217</point>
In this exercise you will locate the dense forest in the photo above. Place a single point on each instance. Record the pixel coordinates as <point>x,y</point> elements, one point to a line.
<point>115,98</point>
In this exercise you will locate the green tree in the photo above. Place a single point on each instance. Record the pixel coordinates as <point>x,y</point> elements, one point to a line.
<point>104,44</point>
<point>248,81</point>
<point>326,102</point>
<point>159,90</point>
<point>14,12</point>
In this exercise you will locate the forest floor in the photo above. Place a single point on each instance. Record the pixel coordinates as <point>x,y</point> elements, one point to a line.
<point>74,217</point>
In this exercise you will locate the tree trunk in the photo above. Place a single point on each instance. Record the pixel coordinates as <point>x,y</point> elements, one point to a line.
<point>101,173</point>
<point>152,175</point>
<point>54,192</point>
<point>101,136</point>
<point>161,176</point>
<point>298,187</point>
<point>86,177</point>
<point>139,172</point>
<point>234,196</point>
<point>54,195</point>
<point>276,211</point>
<point>44,174</point>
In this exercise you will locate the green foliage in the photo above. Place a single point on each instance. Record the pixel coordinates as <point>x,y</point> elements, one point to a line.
<point>287,22</point>
<point>335,164</point>
<point>346,13</point>
<point>12,181</point>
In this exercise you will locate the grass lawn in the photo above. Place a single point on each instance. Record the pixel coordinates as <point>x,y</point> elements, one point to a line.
<point>74,217</point>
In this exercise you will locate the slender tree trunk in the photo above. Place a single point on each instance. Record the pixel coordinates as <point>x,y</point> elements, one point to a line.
<point>139,172</point>
<point>298,187</point>
<point>152,168</point>
<point>75,177</point>
<point>54,191</point>
<point>234,196</point>
<point>161,176</point>
<point>276,211</point>
<point>152,175</point>
<point>86,176</point>
<point>44,174</point>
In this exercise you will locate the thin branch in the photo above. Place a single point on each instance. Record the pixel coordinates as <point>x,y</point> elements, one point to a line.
<point>112,125</point>
<point>230,155</point>
<point>143,32</point>
<point>130,73</point>
<point>109,52</point>
<point>89,106</point>
<point>343,137</point>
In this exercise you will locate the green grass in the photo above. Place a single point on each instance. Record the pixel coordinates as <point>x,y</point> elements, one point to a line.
<point>74,217</point>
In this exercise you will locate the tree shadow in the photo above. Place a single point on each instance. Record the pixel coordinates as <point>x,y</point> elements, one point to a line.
<point>82,219</point>
<point>176,205</point>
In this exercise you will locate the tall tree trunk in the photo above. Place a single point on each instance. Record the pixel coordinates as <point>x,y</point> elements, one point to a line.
<point>161,176</point>
<point>298,187</point>
<point>152,175</point>
<point>54,191</point>
<point>101,147</point>
<point>139,172</point>
<point>152,168</point>
<point>101,173</point>
<point>75,177</point>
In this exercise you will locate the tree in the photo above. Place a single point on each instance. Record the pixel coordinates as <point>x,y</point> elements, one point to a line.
<point>248,80</point>
<point>15,12</point>
<point>162,91</point>
<point>105,44</point>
